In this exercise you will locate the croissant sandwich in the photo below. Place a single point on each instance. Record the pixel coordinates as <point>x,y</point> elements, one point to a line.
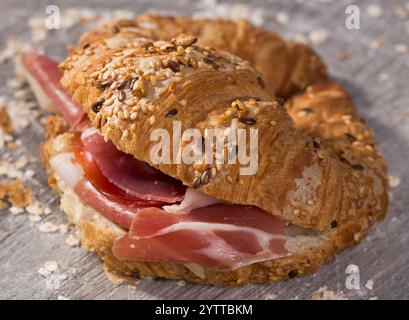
<point>312,181</point>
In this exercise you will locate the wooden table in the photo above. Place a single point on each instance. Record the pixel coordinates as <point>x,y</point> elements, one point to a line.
<point>377,78</point>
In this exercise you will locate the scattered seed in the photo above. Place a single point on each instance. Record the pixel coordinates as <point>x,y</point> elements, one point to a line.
<point>104,84</point>
<point>247,120</point>
<point>152,120</point>
<point>196,183</point>
<point>172,65</point>
<point>96,107</point>
<point>121,96</point>
<point>358,166</point>
<point>307,110</point>
<point>147,44</point>
<point>316,144</point>
<point>205,177</point>
<point>171,113</point>
<point>185,40</point>
<point>350,137</point>
<point>292,274</point>
<point>261,82</point>
<point>123,85</point>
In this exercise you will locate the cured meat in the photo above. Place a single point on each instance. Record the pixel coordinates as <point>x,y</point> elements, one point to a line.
<point>44,76</point>
<point>222,237</point>
<point>112,203</point>
<point>135,177</point>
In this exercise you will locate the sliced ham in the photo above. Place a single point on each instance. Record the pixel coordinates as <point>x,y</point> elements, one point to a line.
<point>44,77</point>
<point>221,236</point>
<point>112,203</point>
<point>135,177</point>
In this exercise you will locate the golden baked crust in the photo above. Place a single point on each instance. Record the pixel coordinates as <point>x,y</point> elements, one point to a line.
<point>307,252</point>
<point>128,85</point>
<point>287,67</point>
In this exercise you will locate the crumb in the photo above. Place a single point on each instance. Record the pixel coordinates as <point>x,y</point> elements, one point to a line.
<point>400,12</point>
<point>373,298</point>
<point>131,287</point>
<point>324,294</point>
<point>5,234</point>
<point>51,266</point>
<point>44,272</point>
<point>341,56</point>
<point>378,43</point>
<point>60,297</point>
<point>12,49</point>
<point>374,11</point>
<point>394,181</point>
<point>13,192</point>
<point>16,210</point>
<point>48,227</point>
<point>318,36</point>
<point>28,174</point>
<point>72,240</point>
<point>400,48</point>
<point>369,284</point>
<point>35,209</point>
<point>300,38</point>
<point>383,77</point>
<point>33,218</point>
<point>181,283</point>
<point>282,18</point>
<point>5,121</point>
<point>270,296</point>
<point>63,228</point>
<point>115,277</point>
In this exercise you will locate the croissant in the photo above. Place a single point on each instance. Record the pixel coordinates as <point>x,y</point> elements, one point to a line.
<point>287,67</point>
<point>319,167</point>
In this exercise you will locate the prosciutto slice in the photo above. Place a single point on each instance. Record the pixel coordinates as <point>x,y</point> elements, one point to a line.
<point>135,177</point>
<point>44,76</point>
<point>221,237</point>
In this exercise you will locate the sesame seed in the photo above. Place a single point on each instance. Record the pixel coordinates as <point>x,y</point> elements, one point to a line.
<point>125,133</point>
<point>214,172</point>
<point>152,120</point>
<point>133,115</point>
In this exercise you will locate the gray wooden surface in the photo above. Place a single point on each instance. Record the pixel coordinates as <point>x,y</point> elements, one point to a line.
<point>377,78</point>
